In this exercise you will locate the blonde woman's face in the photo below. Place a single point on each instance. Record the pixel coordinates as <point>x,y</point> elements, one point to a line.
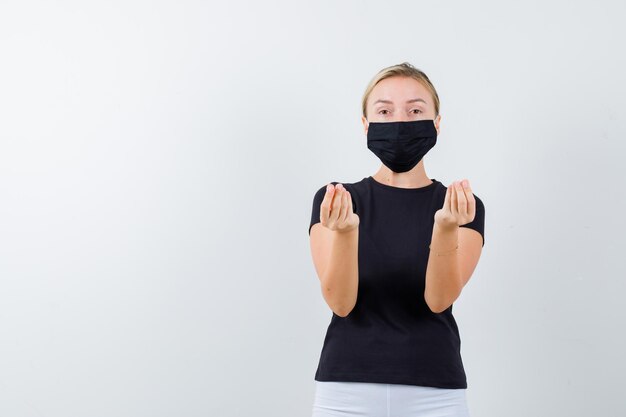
<point>400,99</point>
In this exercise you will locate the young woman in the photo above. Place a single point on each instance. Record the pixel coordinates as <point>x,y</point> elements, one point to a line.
<point>393,251</point>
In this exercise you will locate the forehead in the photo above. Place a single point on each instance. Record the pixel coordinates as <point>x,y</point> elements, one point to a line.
<point>399,90</point>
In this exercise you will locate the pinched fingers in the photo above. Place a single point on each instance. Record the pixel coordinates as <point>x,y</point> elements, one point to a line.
<point>471,201</point>
<point>332,209</point>
<point>325,207</point>
<point>459,207</point>
<point>335,213</point>
<point>331,205</point>
<point>466,203</point>
<point>344,205</point>
<point>350,208</point>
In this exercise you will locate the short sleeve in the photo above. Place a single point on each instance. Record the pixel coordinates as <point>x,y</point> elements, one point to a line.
<point>317,201</point>
<point>478,223</point>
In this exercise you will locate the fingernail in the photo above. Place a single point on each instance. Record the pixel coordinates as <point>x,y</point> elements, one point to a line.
<point>465,183</point>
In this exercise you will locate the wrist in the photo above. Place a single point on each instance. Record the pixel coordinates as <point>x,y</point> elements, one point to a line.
<point>445,239</point>
<point>447,227</point>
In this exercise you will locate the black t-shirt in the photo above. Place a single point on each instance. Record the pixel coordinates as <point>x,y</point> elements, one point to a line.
<point>391,335</point>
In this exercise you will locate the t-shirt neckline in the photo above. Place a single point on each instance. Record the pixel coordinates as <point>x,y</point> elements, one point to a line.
<point>403,190</point>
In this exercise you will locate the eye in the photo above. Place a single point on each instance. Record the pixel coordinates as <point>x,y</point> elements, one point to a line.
<point>383,111</point>
<point>418,110</point>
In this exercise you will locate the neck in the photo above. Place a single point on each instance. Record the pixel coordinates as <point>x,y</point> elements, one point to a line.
<point>414,178</point>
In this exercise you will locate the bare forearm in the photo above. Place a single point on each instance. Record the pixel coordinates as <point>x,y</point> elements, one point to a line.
<point>443,275</point>
<point>341,278</point>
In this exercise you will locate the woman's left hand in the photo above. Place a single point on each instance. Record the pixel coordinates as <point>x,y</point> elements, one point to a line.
<point>459,206</point>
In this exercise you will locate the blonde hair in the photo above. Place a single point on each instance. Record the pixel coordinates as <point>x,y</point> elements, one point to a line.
<point>404,69</point>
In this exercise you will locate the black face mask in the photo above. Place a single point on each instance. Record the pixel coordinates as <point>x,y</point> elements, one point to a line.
<point>401,145</point>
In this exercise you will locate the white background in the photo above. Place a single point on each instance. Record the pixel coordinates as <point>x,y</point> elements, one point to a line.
<point>158,162</point>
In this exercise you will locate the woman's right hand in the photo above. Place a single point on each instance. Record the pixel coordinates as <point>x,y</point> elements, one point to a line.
<point>336,212</point>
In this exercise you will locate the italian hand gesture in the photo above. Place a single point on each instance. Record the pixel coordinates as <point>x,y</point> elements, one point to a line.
<point>459,206</point>
<point>336,212</point>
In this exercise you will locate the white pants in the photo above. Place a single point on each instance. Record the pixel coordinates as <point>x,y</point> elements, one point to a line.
<point>365,399</point>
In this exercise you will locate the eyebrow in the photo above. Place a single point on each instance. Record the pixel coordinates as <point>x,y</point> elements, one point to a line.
<point>390,102</point>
